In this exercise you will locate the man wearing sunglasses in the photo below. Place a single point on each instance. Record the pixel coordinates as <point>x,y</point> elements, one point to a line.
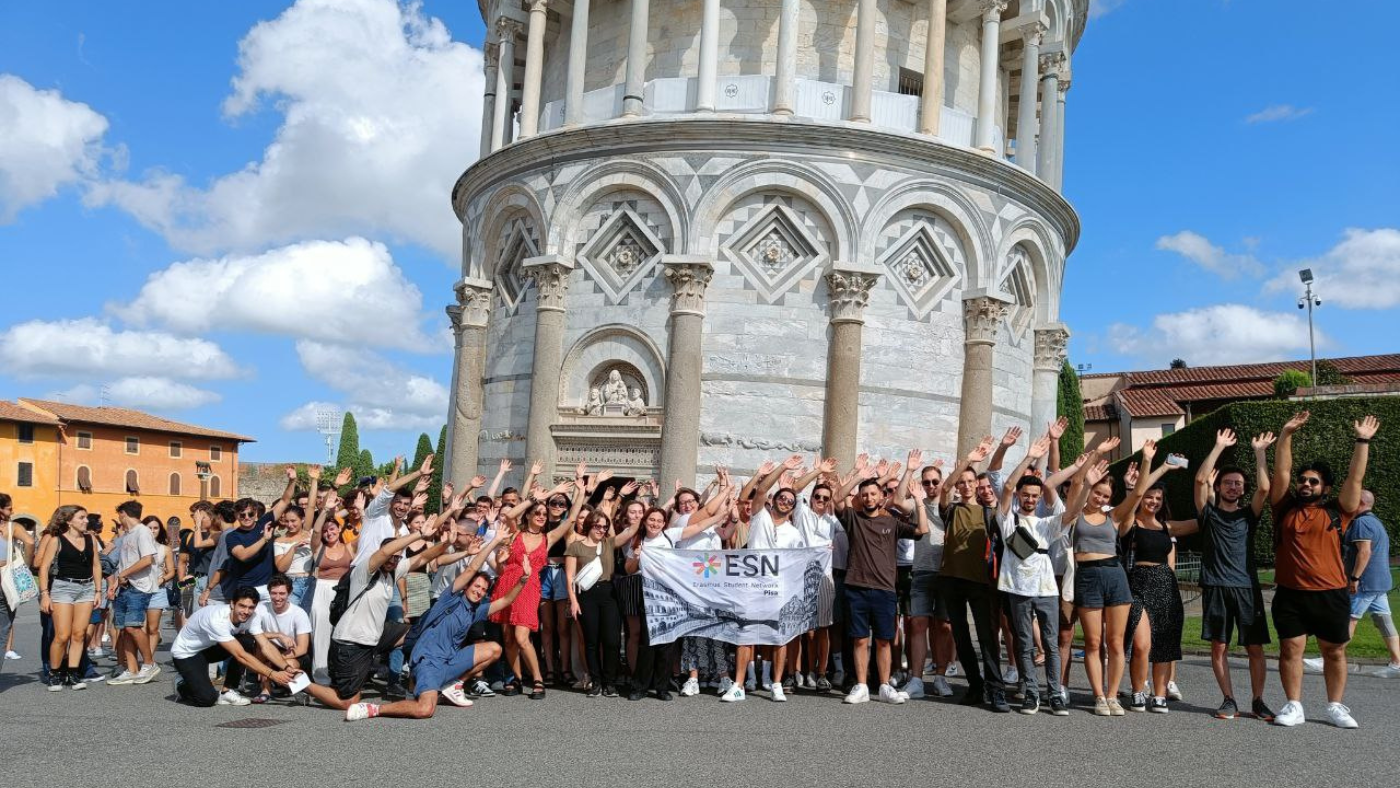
<point>1312,596</point>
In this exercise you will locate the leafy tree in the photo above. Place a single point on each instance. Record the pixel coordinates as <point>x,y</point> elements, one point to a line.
<point>1069,402</point>
<point>1179,363</point>
<point>1288,383</point>
<point>1329,375</point>
<point>439,461</point>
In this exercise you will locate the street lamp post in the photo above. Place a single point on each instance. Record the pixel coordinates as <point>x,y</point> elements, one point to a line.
<point>1310,300</point>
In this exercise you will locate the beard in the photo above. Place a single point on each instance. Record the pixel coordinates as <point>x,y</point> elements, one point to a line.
<point>1307,495</point>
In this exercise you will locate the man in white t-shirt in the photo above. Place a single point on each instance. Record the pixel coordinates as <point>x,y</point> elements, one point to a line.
<point>286,629</point>
<point>131,590</point>
<point>224,632</point>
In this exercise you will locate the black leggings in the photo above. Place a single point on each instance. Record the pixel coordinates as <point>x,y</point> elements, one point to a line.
<point>958,596</point>
<point>195,687</point>
<point>602,630</point>
<point>653,668</point>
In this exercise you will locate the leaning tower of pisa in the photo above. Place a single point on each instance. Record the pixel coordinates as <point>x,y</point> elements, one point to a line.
<point>713,231</point>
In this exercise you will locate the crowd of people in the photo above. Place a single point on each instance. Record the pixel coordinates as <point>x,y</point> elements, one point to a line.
<point>979,572</point>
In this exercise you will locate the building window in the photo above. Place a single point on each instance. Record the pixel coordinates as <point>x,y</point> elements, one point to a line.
<point>26,433</point>
<point>84,479</point>
<point>133,445</point>
<point>174,484</point>
<point>214,491</point>
<point>216,453</point>
<point>176,449</point>
<point>85,440</point>
<point>25,475</point>
<point>911,83</point>
<point>132,488</point>
<point>1168,429</point>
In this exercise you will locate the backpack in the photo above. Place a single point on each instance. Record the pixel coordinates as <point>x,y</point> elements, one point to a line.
<point>340,598</point>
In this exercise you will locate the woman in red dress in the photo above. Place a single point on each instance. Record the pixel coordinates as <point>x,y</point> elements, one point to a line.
<point>523,616</point>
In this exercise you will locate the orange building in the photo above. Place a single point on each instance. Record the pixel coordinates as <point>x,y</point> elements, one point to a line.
<point>52,454</point>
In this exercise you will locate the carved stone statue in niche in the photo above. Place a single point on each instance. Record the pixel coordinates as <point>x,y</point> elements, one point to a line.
<point>595,402</point>
<point>615,391</point>
<point>636,406</point>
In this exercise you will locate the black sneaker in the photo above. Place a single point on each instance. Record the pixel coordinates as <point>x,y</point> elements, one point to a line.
<point>1262,710</point>
<point>1157,705</point>
<point>789,685</point>
<point>663,695</point>
<point>56,682</point>
<point>1030,704</point>
<point>595,691</point>
<point>610,692</point>
<point>637,695</point>
<point>481,689</point>
<point>1228,709</point>
<point>998,701</point>
<point>1058,707</point>
<point>972,697</point>
<point>823,684</point>
<point>1139,702</point>
<point>395,690</point>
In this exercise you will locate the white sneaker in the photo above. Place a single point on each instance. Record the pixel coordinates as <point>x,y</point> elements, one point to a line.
<point>1290,715</point>
<point>889,695</point>
<point>1312,665</point>
<point>690,688</point>
<point>232,698</point>
<point>940,687</point>
<point>811,682</point>
<point>953,669</point>
<point>858,694</point>
<point>361,711</point>
<point>12,655</point>
<point>1173,691</point>
<point>775,692</point>
<point>928,666</point>
<point>1064,695</point>
<point>125,677</point>
<point>456,695</point>
<point>724,684</point>
<point>1341,716</point>
<point>914,688</point>
<point>1387,672</point>
<point>96,653</point>
<point>1011,676</point>
<point>147,672</point>
<point>734,694</point>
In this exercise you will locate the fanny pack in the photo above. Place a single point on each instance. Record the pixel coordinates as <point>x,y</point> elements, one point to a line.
<point>1023,544</point>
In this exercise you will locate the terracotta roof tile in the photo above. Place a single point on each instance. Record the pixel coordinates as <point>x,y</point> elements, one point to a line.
<point>1105,412</point>
<point>1143,403</point>
<point>1268,371</point>
<point>9,411</point>
<point>123,417</point>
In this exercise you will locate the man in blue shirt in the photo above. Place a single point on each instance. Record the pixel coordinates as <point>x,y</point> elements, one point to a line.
<point>1367,562</point>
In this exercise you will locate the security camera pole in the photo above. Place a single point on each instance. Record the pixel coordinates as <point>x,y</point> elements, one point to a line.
<point>1311,300</point>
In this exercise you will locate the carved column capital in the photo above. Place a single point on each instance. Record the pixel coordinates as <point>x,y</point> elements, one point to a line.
<point>473,307</point>
<point>689,277</point>
<point>508,29</point>
<point>1051,346</point>
<point>993,9</point>
<point>1051,65</point>
<point>1034,34</point>
<point>981,316</point>
<point>849,290</point>
<point>551,276</point>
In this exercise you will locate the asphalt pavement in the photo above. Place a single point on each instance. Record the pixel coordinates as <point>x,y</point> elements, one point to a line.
<point>139,736</point>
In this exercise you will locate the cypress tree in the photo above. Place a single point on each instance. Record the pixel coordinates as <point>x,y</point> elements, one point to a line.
<point>435,491</point>
<point>1069,402</point>
<point>348,455</point>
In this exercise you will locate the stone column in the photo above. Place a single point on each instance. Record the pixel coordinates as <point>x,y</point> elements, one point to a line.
<point>987,85</point>
<point>506,31</point>
<point>1026,129</point>
<point>488,104</point>
<point>680,435</point>
<point>785,80</point>
<point>469,317</point>
<point>931,105</point>
<point>863,76</point>
<point>1051,347</point>
<point>849,290</point>
<point>982,316</point>
<point>633,91</point>
<point>708,71</point>
<point>1060,136</point>
<point>578,64</point>
<point>1049,116</point>
<point>551,276</point>
<point>534,70</point>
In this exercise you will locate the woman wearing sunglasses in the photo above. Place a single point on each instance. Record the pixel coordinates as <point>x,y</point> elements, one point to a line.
<point>588,569</point>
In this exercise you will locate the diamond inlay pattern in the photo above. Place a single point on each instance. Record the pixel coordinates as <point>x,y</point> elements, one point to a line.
<point>775,248</point>
<point>620,253</point>
<point>919,269</point>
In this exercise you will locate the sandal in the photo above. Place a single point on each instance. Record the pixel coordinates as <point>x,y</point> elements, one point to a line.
<point>538,692</point>
<point>512,687</point>
<point>566,679</point>
<point>261,698</point>
<point>549,679</point>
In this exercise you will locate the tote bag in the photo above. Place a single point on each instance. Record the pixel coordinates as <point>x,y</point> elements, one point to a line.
<point>17,580</point>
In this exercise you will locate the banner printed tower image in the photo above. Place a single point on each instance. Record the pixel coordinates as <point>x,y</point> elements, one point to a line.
<point>717,231</point>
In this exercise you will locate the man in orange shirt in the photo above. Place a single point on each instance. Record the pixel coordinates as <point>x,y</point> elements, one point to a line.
<point>1312,595</point>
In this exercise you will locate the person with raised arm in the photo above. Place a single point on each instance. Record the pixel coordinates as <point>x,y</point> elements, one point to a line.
<point>388,505</point>
<point>1313,597</point>
<point>592,600</point>
<point>694,526</point>
<point>819,528</point>
<point>1231,594</point>
<point>440,663</point>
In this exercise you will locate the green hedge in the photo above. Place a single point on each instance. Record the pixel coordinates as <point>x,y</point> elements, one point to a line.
<point>1328,435</point>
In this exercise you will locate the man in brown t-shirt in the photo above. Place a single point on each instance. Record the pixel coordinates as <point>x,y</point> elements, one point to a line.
<point>1312,597</point>
<point>870,574</point>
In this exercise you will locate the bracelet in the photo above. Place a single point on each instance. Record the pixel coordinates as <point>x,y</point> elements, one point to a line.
<point>1363,440</point>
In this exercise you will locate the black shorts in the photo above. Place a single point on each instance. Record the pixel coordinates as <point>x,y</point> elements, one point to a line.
<point>350,665</point>
<point>1326,615</point>
<point>1224,608</point>
<point>903,586</point>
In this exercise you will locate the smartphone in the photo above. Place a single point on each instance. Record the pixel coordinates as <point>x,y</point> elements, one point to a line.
<point>1178,460</point>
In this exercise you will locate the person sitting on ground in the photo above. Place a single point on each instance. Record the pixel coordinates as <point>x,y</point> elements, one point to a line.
<point>224,632</point>
<point>286,629</point>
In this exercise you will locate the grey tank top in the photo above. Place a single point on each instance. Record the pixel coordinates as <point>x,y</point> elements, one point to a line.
<point>1090,538</point>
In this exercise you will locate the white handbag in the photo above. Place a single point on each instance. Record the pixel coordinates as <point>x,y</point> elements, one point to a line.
<point>15,578</point>
<point>589,576</point>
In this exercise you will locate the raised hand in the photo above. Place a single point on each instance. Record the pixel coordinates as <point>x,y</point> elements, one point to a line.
<point>894,470</point>
<point>1262,441</point>
<point>980,451</point>
<point>863,463</point>
<point>827,465</point>
<point>1107,446</point>
<point>422,485</point>
<point>343,478</point>
<point>291,473</point>
<point>313,472</point>
<point>506,466</point>
<point>1130,476</point>
<point>476,482</point>
<point>427,467</point>
<point>1057,428</point>
<point>882,467</point>
<point>419,501</point>
<point>1294,424</point>
<point>914,458</point>
<point>447,490</point>
<point>536,468</point>
<point>1040,448</point>
<point>1095,474</point>
<point>461,500</point>
<point>1149,450</point>
<point>766,468</point>
<point>793,463</point>
<point>1225,438</point>
<point>918,492</point>
<point>629,488</point>
<point>1366,428</point>
<point>609,494</point>
<point>1012,437</point>
<point>580,470</point>
<point>602,477</point>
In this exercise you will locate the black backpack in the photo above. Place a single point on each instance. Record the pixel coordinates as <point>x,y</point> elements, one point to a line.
<point>340,599</point>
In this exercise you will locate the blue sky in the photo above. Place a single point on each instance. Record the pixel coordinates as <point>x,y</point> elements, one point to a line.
<point>235,214</point>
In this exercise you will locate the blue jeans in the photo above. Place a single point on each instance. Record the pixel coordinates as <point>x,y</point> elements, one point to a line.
<point>395,615</point>
<point>301,592</point>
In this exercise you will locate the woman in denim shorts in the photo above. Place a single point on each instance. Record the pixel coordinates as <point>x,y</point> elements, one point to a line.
<point>70,570</point>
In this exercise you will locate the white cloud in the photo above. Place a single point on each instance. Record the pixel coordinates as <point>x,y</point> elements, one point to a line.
<point>89,348</point>
<point>142,393</point>
<point>46,142</point>
<point>339,291</point>
<point>1198,249</point>
<point>1220,334</point>
<point>1098,8</point>
<point>1277,113</point>
<point>381,113</point>
<point>1361,272</point>
<point>382,395</point>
